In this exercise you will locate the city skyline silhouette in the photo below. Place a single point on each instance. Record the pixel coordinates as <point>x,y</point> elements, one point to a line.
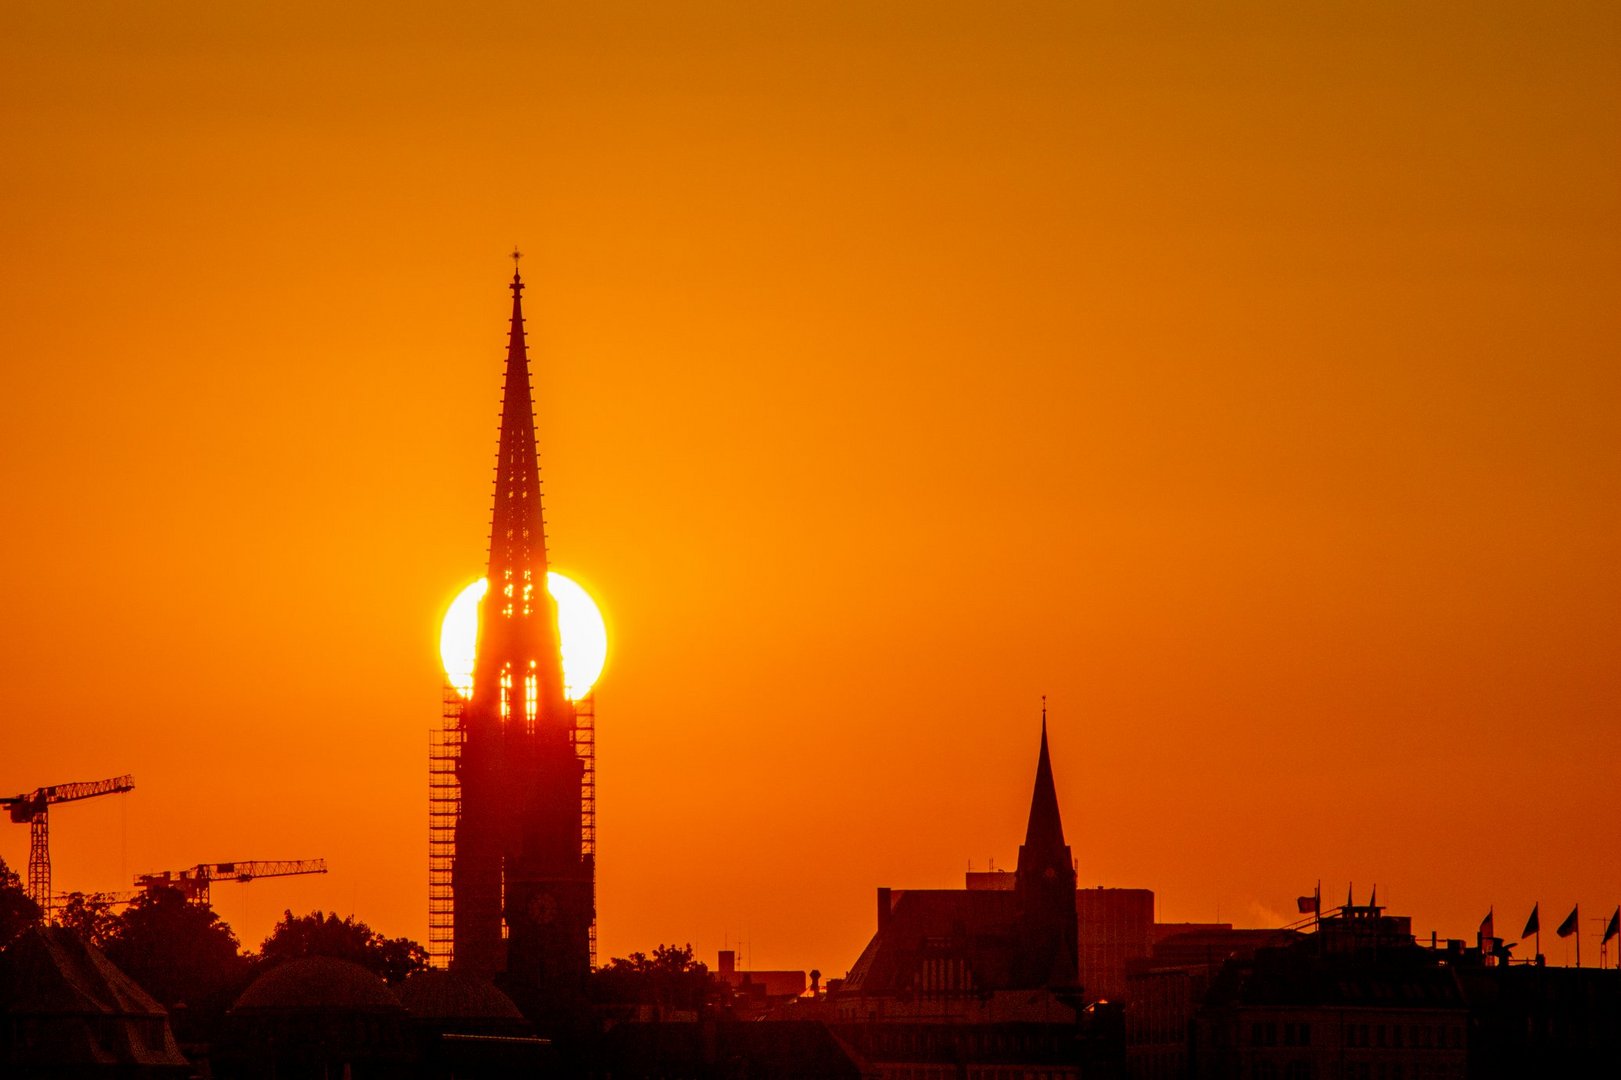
<point>1246,389</point>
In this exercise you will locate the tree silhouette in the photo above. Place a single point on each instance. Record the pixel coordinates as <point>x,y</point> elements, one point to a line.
<point>17,911</point>
<point>322,934</point>
<point>181,953</point>
<point>670,977</point>
<point>90,917</point>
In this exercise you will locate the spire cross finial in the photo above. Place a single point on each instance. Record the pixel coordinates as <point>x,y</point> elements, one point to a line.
<point>516,255</point>
<point>1044,711</point>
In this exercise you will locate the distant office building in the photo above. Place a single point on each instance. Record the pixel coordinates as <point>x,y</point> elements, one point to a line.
<point>1165,990</point>
<point>1115,929</point>
<point>755,994</point>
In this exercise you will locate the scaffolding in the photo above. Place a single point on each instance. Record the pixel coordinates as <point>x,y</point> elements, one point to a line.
<point>585,746</point>
<point>444,811</point>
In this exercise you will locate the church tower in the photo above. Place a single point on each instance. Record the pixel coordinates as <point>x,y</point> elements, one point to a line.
<point>1045,886</point>
<point>521,875</point>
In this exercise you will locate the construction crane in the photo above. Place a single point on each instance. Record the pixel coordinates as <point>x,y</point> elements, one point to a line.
<point>193,882</point>
<point>34,809</point>
<point>94,899</point>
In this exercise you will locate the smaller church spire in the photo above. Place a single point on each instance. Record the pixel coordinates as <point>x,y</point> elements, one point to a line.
<point>1045,828</point>
<point>1045,883</point>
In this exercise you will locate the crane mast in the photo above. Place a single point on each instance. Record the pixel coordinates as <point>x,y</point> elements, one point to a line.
<point>34,809</point>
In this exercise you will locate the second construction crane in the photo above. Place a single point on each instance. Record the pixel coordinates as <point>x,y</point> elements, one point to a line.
<point>194,881</point>
<point>35,810</point>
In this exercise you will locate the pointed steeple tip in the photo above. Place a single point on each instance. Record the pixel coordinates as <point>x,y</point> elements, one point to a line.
<point>1045,828</point>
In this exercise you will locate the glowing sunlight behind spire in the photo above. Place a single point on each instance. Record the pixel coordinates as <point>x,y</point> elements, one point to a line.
<point>579,624</point>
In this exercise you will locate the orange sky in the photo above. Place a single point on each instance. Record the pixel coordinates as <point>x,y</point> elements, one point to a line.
<point>1245,382</point>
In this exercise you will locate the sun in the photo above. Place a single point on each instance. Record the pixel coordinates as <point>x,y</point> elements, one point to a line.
<point>579,623</point>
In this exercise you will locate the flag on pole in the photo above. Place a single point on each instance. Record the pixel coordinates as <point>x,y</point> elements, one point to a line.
<point>1307,904</point>
<point>1613,928</point>
<point>1486,927</point>
<point>1532,925</point>
<point>1568,927</point>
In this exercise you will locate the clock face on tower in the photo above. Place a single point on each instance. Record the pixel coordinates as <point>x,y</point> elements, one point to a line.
<point>543,908</point>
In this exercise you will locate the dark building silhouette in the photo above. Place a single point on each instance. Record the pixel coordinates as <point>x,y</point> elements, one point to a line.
<point>511,777</point>
<point>1532,1020</point>
<point>1357,999</point>
<point>1113,929</point>
<point>965,942</point>
<point>1354,996</point>
<point>1165,989</point>
<point>1044,887</point>
<point>754,994</point>
<point>728,1050</point>
<point>981,981</point>
<point>66,1010</point>
<point>466,1027</point>
<point>316,1016</point>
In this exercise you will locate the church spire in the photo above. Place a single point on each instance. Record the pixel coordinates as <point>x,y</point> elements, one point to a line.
<point>518,637</point>
<point>1045,829</point>
<point>522,873</point>
<point>518,529</point>
<point>1045,883</point>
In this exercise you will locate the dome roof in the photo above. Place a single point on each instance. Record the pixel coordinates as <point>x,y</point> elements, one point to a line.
<point>318,982</point>
<point>452,994</point>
